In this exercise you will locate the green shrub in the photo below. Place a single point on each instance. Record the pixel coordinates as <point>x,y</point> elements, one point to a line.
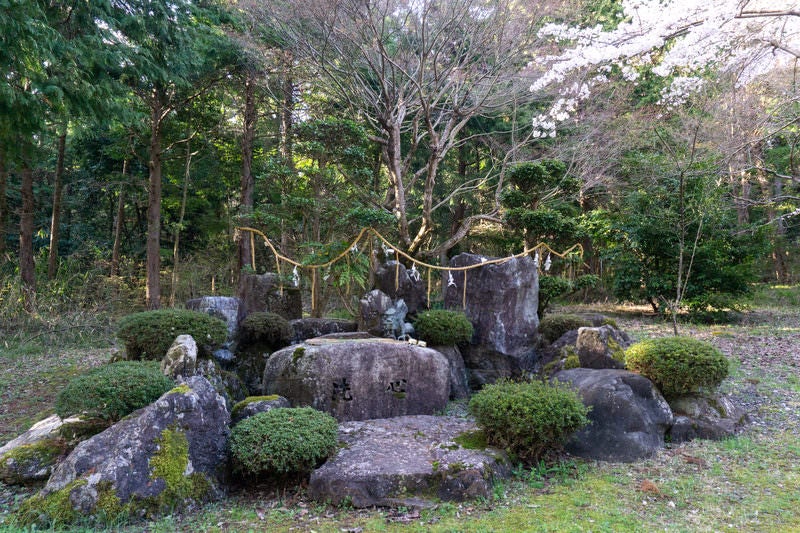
<point>527,419</point>
<point>440,327</point>
<point>149,335</point>
<point>283,440</point>
<point>678,365</point>
<point>552,327</point>
<point>264,329</point>
<point>112,391</point>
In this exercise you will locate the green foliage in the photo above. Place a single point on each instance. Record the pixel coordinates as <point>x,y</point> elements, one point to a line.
<point>264,329</point>
<point>440,327</point>
<point>283,440</point>
<point>678,365</point>
<point>552,287</point>
<point>641,237</point>
<point>112,391</point>
<point>528,418</point>
<point>552,327</point>
<point>148,335</point>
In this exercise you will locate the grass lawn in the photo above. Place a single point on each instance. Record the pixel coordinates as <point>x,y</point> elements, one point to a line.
<point>747,483</point>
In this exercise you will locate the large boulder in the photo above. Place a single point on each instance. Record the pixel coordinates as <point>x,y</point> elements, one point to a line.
<point>628,416</point>
<point>172,452</point>
<point>700,416</point>
<point>309,328</point>
<point>501,302</point>
<point>31,457</point>
<point>601,347</point>
<point>223,307</point>
<point>397,282</point>
<point>372,308</point>
<point>404,461</point>
<point>360,379</point>
<point>265,292</point>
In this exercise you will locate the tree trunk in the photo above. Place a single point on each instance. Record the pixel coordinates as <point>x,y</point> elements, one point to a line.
<point>176,245</point>
<point>3,205</point>
<point>247,183</point>
<point>26,266</point>
<point>287,124</point>
<point>119,221</point>
<point>153,269</point>
<point>55,219</point>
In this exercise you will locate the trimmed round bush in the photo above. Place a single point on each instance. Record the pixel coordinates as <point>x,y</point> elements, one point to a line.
<point>440,327</point>
<point>113,391</point>
<point>678,365</point>
<point>283,440</point>
<point>149,335</point>
<point>264,328</point>
<point>552,327</point>
<point>528,418</point>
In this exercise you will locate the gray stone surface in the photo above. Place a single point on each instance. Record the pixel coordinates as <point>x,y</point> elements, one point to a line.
<point>227,384</point>
<point>119,458</point>
<point>309,328</point>
<point>413,290</point>
<point>629,417</point>
<point>31,457</point>
<point>181,358</point>
<point>223,307</point>
<point>254,405</point>
<point>705,417</point>
<point>601,347</point>
<point>459,380</point>
<point>262,292</point>
<point>501,302</point>
<point>371,310</point>
<point>398,461</point>
<point>360,379</point>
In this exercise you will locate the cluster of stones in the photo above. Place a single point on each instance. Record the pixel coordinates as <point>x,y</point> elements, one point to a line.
<point>384,392</point>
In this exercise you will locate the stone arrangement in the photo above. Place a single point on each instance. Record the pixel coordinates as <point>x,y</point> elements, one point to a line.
<point>388,395</point>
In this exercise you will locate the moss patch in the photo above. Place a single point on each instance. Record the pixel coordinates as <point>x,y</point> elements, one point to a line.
<point>51,511</point>
<point>183,388</point>
<point>170,463</point>
<point>472,440</point>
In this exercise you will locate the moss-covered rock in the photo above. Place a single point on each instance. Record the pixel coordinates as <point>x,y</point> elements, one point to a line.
<point>172,453</point>
<point>31,463</point>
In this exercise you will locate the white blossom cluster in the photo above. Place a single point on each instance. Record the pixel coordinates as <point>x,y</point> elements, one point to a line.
<point>700,34</point>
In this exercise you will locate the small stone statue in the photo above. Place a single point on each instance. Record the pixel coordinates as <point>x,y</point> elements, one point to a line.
<point>394,324</point>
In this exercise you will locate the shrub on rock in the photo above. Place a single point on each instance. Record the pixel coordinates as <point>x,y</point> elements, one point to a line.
<point>528,418</point>
<point>678,365</point>
<point>552,327</point>
<point>265,329</point>
<point>149,335</point>
<point>113,391</point>
<point>283,440</point>
<point>443,328</point>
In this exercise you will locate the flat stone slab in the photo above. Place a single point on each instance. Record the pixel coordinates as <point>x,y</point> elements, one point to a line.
<point>406,461</point>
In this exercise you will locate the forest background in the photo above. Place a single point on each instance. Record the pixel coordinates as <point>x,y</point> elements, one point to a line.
<point>136,136</point>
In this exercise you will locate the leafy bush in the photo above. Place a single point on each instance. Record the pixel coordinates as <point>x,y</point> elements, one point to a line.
<point>112,391</point>
<point>528,419</point>
<point>551,287</point>
<point>552,327</point>
<point>264,328</point>
<point>283,440</point>
<point>149,335</point>
<point>440,327</point>
<point>678,365</point>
